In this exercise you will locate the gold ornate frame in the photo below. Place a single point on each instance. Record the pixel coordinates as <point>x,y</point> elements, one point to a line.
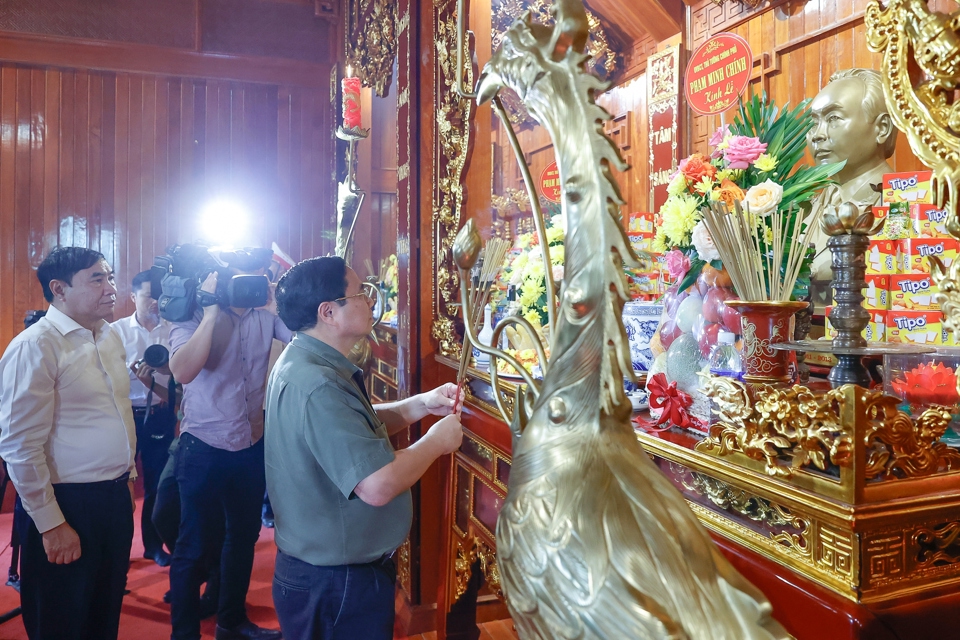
<point>452,128</point>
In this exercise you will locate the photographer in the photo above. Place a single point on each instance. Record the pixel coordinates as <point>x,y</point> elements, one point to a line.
<point>153,415</point>
<point>221,357</point>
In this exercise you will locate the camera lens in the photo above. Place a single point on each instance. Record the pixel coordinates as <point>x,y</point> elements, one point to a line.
<point>156,355</point>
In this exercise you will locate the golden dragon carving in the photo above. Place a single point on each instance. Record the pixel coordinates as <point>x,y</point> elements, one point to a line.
<point>769,424</point>
<point>927,110</point>
<point>788,429</point>
<point>593,541</point>
<point>908,31</point>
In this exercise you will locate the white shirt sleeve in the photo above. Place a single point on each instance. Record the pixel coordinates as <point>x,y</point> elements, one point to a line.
<point>26,420</point>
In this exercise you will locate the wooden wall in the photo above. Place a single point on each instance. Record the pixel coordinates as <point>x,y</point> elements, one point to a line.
<point>627,103</point>
<point>797,45</point>
<point>117,145</point>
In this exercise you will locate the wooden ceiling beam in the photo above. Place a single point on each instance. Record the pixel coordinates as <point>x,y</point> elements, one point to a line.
<point>637,18</point>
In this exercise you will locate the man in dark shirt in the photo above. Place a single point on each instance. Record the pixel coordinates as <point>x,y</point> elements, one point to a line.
<point>340,493</point>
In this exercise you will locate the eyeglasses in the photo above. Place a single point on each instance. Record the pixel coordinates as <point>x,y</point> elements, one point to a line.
<point>367,289</point>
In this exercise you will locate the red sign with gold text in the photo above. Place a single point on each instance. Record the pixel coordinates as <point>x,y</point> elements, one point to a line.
<point>718,72</point>
<point>663,106</point>
<point>550,183</point>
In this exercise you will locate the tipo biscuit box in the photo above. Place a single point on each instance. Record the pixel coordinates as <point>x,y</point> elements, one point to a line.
<point>915,251</point>
<point>880,213</point>
<point>641,223</point>
<point>908,186</point>
<point>876,295</point>
<point>883,257</point>
<point>874,332</point>
<point>913,292</point>
<point>928,221</point>
<point>641,242</point>
<point>918,327</point>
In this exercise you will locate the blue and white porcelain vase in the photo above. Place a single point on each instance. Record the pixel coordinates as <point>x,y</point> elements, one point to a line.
<point>640,319</point>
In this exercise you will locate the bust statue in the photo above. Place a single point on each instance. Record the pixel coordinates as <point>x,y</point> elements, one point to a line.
<point>851,123</point>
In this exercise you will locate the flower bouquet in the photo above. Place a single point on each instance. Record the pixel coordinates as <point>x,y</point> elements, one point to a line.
<point>387,277</point>
<point>525,270</point>
<point>754,166</point>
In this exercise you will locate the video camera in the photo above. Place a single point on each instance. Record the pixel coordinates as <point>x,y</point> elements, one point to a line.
<point>175,279</point>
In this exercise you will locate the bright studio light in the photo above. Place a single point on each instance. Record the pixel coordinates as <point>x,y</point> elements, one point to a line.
<point>224,222</point>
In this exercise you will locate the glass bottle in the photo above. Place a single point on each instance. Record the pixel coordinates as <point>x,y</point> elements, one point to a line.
<point>724,358</point>
<point>511,308</point>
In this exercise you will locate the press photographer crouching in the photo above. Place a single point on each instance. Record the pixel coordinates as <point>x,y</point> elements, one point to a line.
<point>145,339</point>
<point>220,354</point>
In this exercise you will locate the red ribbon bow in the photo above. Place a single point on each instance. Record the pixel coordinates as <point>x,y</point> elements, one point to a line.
<point>673,401</point>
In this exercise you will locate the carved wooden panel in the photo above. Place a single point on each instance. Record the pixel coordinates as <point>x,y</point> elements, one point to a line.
<point>170,23</point>
<point>273,29</point>
<point>479,490</point>
<point>710,17</point>
<point>635,59</point>
<point>382,376</point>
<point>371,41</point>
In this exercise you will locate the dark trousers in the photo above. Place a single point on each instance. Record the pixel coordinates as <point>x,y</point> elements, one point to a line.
<point>334,603</point>
<point>166,519</point>
<point>153,441</point>
<point>80,600</point>
<point>215,483</point>
<point>166,508</point>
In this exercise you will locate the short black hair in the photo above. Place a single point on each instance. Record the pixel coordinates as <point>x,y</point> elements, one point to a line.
<point>306,286</point>
<point>139,279</point>
<point>62,264</point>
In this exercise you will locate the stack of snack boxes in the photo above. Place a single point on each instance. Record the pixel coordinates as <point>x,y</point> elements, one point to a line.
<point>900,293</point>
<point>647,282</point>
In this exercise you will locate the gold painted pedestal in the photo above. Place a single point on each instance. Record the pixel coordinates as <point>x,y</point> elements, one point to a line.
<point>838,486</point>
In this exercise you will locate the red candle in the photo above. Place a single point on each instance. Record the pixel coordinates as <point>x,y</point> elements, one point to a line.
<point>351,102</point>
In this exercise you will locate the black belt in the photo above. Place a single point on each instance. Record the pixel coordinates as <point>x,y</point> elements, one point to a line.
<point>100,483</point>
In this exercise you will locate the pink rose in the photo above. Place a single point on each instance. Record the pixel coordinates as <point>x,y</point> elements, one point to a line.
<point>677,264</point>
<point>718,136</point>
<point>742,151</point>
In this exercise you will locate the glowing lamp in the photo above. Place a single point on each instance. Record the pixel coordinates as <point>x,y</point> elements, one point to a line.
<point>224,222</point>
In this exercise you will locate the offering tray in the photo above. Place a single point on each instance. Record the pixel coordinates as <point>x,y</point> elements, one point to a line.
<point>849,368</point>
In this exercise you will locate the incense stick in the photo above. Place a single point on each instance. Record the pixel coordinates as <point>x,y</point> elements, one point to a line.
<point>482,277</point>
<point>745,250</point>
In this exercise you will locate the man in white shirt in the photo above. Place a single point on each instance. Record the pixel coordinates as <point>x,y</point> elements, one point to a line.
<point>153,416</point>
<point>67,435</point>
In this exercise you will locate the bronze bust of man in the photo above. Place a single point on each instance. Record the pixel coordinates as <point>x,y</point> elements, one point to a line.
<point>851,123</point>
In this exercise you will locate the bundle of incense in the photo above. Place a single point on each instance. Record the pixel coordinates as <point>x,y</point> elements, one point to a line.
<point>482,277</point>
<point>737,236</point>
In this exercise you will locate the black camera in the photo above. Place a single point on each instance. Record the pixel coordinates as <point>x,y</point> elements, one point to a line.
<point>155,356</point>
<point>175,279</point>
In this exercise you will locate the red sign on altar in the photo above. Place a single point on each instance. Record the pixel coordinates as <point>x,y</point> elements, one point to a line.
<point>663,69</point>
<point>550,183</point>
<point>718,72</point>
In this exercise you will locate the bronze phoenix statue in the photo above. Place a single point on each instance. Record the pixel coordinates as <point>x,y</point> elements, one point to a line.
<point>593,541</point>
